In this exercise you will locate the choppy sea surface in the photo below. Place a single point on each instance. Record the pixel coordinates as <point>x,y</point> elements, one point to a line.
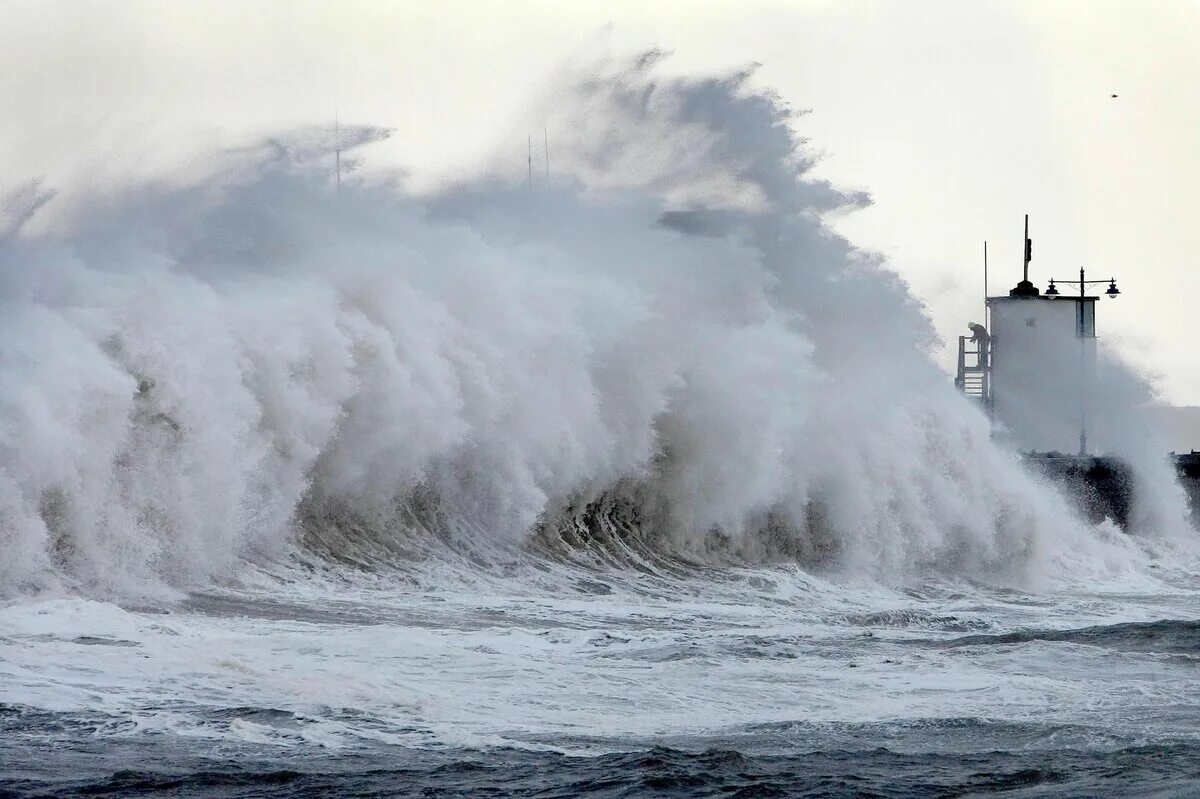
<point>543,681</point>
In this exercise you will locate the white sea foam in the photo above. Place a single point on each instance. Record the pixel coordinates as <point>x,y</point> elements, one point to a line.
<point>355,667</point>
<point>221,371</point>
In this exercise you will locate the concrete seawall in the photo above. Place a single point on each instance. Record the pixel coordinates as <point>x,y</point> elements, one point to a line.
<point>1188,465</point>
<point>1102,486</point>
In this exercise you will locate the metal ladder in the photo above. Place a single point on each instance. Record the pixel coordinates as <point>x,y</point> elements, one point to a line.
<point>974,371</point>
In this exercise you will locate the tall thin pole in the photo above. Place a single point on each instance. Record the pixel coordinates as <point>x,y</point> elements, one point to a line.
<point>985,345</point>
<point>546,141</point>
<point>1083,371</point>
<point>986,321</point>
<point>1028,250</point>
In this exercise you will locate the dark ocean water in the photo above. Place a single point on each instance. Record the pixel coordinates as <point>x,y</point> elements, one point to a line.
<point>49,756</point>
<point>1136,771</point>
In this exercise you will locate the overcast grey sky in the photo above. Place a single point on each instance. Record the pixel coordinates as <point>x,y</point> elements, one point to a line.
<point>958,117</point>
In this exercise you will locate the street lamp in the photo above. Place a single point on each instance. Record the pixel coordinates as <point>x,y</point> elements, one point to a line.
<point>1083,331</point>
<point>1112,292</point>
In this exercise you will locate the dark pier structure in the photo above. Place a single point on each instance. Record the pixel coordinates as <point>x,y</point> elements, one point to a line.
<point>1101,487</point>
<point>1188,467</point>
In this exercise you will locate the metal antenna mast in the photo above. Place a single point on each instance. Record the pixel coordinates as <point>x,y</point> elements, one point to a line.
<point>1028,251</point>
<point>1025,288</point>
<point>986,321</point>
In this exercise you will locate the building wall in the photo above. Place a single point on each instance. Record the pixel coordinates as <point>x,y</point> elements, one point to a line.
<point>1041,370</point>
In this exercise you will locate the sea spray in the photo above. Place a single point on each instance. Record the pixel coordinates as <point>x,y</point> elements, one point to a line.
<point>230,369</point>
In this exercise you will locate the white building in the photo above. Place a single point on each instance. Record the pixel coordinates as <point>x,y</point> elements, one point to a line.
<point>1039,370</point>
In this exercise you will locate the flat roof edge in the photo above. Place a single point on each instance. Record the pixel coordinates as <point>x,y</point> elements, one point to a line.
<point>1052,298</point>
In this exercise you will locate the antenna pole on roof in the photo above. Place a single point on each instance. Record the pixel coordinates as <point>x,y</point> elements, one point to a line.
<point>985,286</point>
<point>1028,250</point>
<point>1025,288</point>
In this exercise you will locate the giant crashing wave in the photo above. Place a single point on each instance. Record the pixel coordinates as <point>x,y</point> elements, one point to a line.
<point>661,355</point>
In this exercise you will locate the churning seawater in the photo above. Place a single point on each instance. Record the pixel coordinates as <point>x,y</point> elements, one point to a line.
<point>638,480</point>
<point>736,682</point>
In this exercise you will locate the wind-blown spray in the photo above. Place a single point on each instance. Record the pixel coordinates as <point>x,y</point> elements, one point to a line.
<point>251,365</point>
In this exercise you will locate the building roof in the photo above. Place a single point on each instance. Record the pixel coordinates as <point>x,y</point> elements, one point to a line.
<point>1075,297</point>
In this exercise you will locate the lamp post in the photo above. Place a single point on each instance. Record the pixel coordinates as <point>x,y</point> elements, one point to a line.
<point>1111,293</point>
